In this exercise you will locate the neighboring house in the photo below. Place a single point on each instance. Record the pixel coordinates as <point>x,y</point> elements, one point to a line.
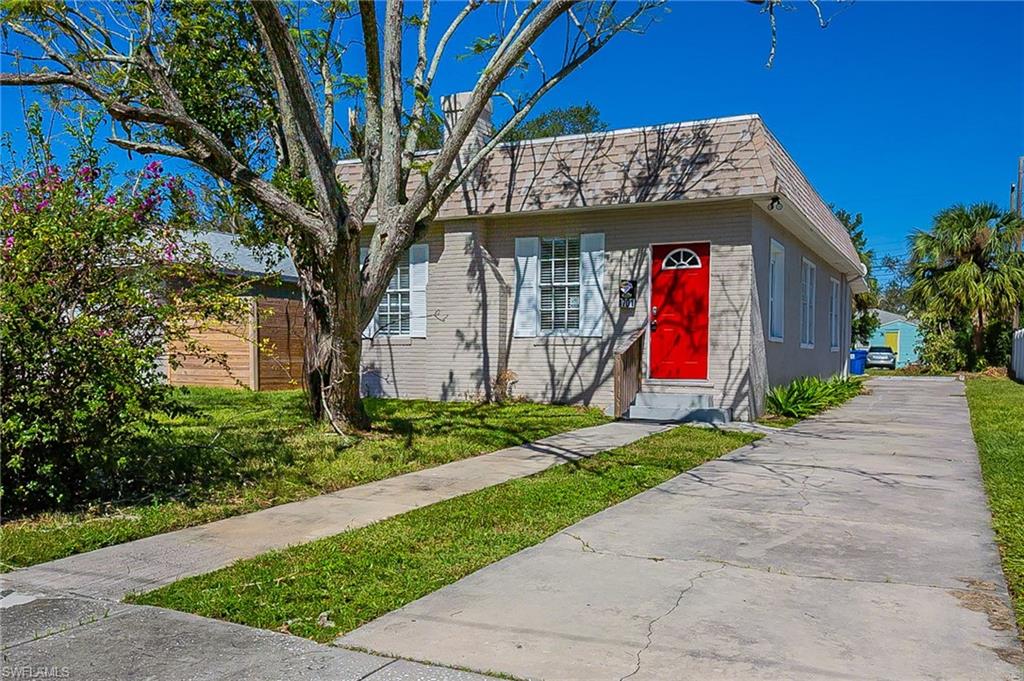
<point>899,334</point>
<point>264,352</point>
<point>692,261</point>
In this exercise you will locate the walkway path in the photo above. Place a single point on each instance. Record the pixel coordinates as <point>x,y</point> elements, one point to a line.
<point>66,614</point>
<point>113,572</point>
<point>856,545</point>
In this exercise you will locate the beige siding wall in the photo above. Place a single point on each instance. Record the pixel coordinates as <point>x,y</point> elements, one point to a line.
<point>773,362</point>
<point>475,262</point>
<point>458,358</point>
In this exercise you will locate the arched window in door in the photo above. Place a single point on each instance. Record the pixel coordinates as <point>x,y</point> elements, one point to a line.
<point>681,259</point>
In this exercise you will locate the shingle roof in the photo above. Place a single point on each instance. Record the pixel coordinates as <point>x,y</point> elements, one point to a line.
<point>235,257</point>
<point>886,317</point>
<point>718,158</point>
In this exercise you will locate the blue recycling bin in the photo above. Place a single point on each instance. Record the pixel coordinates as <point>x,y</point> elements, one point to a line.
<point>858,362</point>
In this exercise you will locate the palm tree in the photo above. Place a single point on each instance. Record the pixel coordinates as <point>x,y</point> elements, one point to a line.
<point>969,265</point>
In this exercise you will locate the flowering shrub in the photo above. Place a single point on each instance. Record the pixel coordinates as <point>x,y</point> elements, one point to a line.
<point>94,282</point>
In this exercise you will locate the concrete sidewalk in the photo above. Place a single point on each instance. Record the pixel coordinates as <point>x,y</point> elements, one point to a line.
<point>64,618</point>
<point>143,565</point>
<point>856,545</point>
<point>117,642</point>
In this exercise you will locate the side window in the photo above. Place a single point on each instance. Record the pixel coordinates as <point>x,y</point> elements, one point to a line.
<point>776,291</point>
<point>807,284</point>
<point>834,307</point>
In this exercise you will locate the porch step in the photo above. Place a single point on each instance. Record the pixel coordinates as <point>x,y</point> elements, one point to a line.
<point>677,406</point>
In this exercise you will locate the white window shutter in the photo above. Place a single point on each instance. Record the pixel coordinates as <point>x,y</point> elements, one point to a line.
<point>371,329</point>
<point>592,299</point>
<point>527,274</point>
<point>419,257</point>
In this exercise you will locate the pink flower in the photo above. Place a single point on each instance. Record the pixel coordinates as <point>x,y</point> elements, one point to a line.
<point>88,173</point>
<point>169,250</point>
<point>45,203</point>
<point>9,242</point>
<point>111,199</point>
<point>103,333</point>
<point>153,170</point>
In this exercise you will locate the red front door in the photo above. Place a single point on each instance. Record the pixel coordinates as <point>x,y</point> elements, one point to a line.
<point>680,275</point>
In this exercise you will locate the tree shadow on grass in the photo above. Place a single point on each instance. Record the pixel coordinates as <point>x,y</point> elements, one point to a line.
<point>237,447</point>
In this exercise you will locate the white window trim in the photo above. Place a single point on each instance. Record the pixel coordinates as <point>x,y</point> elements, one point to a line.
<point>834,314</point>
<point>685,258</point>
<point>808,307</point>
<point>567,331</point>
<point>777,248</point>
<point>380,329</point>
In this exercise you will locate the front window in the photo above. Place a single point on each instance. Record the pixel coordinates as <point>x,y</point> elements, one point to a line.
<point>393,310</point>
<point>560,284</point>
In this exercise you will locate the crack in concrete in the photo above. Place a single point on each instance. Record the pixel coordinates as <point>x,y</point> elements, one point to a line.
<point>650,625</point>
<point>371,673</point>
<point>586,547</point>
<point>743,566</point>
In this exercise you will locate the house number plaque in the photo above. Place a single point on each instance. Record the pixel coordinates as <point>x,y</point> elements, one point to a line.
<point>627,294</point>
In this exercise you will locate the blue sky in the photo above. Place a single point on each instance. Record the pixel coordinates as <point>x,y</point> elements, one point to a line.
<point>896,110</point>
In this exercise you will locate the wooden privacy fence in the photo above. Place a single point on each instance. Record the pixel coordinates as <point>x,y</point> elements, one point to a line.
<point>628,372</point>
<point>1017,358</point>
<point>264,352</point>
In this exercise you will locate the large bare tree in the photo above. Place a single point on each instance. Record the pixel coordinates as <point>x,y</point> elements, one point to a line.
<point>129,58</point>
<point>118,56</point>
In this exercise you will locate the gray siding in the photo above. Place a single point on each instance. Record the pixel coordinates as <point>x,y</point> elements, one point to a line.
<point>470,307</point>
<point>776,362</point>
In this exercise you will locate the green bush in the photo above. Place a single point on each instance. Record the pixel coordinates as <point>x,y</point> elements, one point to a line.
<point>810,395</point>
<point>92,287</point>
<point>944,349</point>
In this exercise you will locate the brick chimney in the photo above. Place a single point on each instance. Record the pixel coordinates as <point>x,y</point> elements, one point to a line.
<point>452,107</point>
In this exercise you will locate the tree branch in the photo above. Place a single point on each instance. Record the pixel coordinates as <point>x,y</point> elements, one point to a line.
<point>151,148</point>
<point>593,44</point>
<point>370,154</point>
<point>298,94</point>
<point>489,81</point>
<point>418,92</point>
<point>389,181</point>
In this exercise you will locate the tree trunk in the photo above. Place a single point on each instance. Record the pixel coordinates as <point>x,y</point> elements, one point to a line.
<point>333,336</point>
<point>979,335</point>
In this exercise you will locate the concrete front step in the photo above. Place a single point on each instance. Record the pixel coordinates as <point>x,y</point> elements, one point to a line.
<point>666,400</point>
<point>679,414</point>
<point>677,406</point>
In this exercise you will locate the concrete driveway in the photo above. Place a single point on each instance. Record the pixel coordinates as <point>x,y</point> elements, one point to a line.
<point>856,545</point>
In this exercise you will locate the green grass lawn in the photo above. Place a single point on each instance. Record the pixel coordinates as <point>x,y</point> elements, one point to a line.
<point>910,370</point>
<point>242,451</point>
<point>359,575</point>
<point>997,416</point>
<point>778,421</point>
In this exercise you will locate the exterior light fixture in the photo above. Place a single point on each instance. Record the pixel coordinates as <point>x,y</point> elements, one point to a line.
<point>775,204</point>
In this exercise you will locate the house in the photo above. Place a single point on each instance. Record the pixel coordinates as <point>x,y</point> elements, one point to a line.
<point>667,272</point>
<point>663,272</point>
<point>899,334</point>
